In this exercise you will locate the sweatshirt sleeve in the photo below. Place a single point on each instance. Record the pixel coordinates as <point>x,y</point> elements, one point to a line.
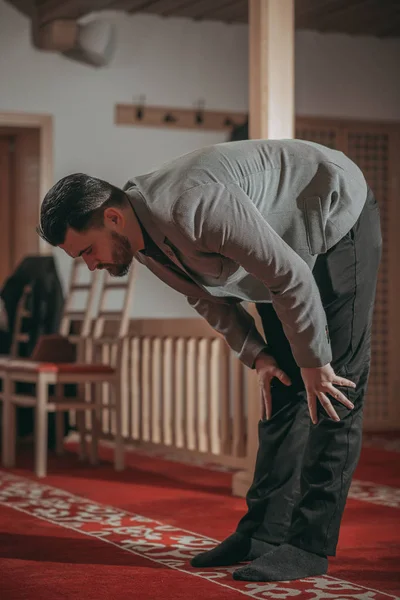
<point>223,219</point>
<point>235,324</point>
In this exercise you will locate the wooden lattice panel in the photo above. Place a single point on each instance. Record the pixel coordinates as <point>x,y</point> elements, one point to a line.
<point>368,146</point>
<point>324,136</point>
<point>371,152</point>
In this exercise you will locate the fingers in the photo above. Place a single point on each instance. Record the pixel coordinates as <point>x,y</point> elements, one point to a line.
<point>339,396</point>
<point>319,384</point>
<point>265,385</point>
<point>326,403</point>
<point>281,375</point>
<point>268,402</point>
<point>312,406</point>
<point>344,382</point>
<point>262,405</point>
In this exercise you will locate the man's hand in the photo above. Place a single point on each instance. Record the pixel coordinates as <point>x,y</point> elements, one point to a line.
<point>267,368</point>
<point>320,381</point>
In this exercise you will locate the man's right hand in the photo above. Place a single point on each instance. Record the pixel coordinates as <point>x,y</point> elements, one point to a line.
<point>267,368</point>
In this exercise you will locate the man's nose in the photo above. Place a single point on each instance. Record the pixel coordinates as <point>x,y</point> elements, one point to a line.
<point>90,262</point>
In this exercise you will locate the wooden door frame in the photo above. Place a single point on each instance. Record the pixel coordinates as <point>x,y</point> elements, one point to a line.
<point>44,123</point>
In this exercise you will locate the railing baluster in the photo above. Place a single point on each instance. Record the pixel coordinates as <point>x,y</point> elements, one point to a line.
<point>105,397</point>
<point>203,402</point>
<point>238,446</point>
<point>168,374</point>
<point>184,393</point>
<point>191,395</point>
<point>224,415</point>
<point>216,355</point>
<point>146,390</point>
<point>156,389</point>
<point>136,388</point>
<point>126,404</point>
<point>180,396</point>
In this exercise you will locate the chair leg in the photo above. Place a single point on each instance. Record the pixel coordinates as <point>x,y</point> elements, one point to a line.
<point>41,429</point>
<point>115,389</point>
<point>81,426</point>
<point>59,421</point>
<point>13,430</point>
<point>96,426</point>
<point>9,434</point>
<point>59,432</point>
<point>5,441</point>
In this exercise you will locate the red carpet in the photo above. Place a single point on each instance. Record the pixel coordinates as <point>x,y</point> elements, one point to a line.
<point>90,533</point>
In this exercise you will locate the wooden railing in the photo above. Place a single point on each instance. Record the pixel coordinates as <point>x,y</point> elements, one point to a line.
<point>183,391</point>
<point>184,394</point>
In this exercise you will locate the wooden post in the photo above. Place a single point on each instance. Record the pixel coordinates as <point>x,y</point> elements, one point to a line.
<point>271,68</point>
<point>271,115</point>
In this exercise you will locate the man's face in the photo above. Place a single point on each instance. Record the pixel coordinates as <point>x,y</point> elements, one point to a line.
<point>100,248</point>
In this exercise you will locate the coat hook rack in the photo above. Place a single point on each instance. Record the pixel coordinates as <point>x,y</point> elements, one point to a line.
<point>139,109</point>
<point>169,118</point>
<point>142,115</point>
<point>199,117</point>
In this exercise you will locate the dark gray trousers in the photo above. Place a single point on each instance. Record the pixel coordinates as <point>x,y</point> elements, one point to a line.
<point>303,471</point>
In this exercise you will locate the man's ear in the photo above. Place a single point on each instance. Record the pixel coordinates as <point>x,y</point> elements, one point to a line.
<point>113,218</point>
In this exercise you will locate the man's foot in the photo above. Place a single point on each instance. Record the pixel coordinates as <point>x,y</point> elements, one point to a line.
<point>284,563</point>
<point>235,549</point>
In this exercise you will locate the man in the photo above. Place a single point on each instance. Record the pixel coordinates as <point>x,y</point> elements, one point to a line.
<point>293,227</point>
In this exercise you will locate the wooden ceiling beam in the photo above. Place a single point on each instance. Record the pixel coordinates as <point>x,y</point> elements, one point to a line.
<point>167,8</point>
<point>24,6</point>
<point>376,22</point>
<point>131,6</point>
<point>317,8</point>
<point>200,9</point>
<point>238,13</point>
<point>391,27</point>
<point>51,10</point>
<point>354,17</point>
<point>342,12</point>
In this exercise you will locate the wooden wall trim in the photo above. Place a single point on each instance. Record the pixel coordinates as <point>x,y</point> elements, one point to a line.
<point>325,122</point>
<point>195,327</point>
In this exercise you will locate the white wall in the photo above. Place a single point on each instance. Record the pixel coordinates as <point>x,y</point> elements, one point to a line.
<point>173,62</point>
<point>176,62</point>
<point>349,77</point>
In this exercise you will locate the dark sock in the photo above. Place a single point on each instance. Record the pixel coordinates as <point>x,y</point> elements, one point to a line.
<point>258,548</point>
<point>284,563</point>
<point>236,548</point>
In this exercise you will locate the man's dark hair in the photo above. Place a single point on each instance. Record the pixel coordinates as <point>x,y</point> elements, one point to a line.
<point>77,201</point>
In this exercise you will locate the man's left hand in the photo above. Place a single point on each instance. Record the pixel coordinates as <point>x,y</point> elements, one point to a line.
<point>319,382</point>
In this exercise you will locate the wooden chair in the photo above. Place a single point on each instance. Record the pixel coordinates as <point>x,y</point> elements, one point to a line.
<point>18,336</point>
<point>85,373</point>
<point>109,345</point>
<point>75,328</point>
<point>75,325</point>
<point>71,317</point>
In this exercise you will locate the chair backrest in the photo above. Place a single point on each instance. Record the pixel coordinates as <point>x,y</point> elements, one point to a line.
<point>68,345</point>
<point>77,323</point>
<point>23,312</point>
<point>104,346</point>
<point>117,314</point>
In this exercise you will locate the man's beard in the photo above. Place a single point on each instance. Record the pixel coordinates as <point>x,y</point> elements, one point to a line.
<point>122,256</point>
